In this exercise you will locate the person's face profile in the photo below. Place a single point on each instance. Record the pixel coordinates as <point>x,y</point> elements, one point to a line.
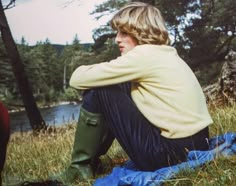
<point>125,42</point>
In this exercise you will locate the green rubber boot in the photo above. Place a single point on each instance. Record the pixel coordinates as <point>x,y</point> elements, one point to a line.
<point>89,137</point>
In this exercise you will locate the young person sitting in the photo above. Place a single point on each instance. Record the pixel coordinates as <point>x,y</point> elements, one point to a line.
<point>148,99</point>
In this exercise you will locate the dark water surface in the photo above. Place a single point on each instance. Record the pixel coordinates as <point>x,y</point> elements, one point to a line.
<point>54,116</point>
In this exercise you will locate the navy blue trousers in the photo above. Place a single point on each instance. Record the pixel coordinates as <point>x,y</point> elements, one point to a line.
<point>140,139</point>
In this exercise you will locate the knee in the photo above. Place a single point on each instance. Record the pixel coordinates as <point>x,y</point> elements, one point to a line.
<point>116,90</point>
<point>90,101</point>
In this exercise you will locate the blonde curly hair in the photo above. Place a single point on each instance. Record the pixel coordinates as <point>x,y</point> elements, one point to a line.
<point>143,22</point>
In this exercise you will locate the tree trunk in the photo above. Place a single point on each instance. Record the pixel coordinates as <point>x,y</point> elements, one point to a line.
<point>64,78</point>
<point>34,116</point>
<point>224,90</point>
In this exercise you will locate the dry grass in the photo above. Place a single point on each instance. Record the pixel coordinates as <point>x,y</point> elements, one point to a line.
<point>35,157</point>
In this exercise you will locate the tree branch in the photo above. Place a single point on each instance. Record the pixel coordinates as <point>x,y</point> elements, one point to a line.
<point>11,4</point>
<point>225,43</point>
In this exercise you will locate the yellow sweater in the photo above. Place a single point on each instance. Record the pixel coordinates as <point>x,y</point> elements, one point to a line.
<point>163,87</point>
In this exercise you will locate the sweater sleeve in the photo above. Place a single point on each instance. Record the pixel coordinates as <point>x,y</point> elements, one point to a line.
<point>128,67</point>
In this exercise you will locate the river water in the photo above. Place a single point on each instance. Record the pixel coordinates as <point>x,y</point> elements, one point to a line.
<point>54,116</point>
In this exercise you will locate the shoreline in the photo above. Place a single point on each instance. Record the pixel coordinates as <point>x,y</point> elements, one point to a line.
<point>20,109</point>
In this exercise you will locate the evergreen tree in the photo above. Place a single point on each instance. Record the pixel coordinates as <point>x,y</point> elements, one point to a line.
<point>7,80</point>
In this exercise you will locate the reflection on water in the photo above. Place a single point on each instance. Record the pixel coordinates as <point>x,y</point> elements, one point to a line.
<point>57,116</point>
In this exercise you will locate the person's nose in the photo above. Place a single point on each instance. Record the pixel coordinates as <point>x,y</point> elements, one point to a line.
<point>118,38</point>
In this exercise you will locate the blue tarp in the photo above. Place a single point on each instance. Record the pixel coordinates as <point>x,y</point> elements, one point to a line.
<point>220,146</point>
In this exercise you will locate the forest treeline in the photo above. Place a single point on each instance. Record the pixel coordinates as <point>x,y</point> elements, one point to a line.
<point>203,31</point>
<point>48,68</point>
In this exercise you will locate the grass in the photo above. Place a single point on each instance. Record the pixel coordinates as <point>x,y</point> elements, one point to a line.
<point>34,158</point>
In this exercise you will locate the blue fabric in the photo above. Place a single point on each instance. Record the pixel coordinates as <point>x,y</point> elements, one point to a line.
<point>219,146</point>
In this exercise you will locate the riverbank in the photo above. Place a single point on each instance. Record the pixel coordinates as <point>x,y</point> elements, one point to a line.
<point>53,116</point>
<point>33,157</point>
<point>20,108</point>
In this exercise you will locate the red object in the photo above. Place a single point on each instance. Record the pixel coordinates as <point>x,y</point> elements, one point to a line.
<point>4,134</point>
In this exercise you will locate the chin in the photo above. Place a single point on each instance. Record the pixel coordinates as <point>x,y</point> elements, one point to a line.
<point>124,52</point>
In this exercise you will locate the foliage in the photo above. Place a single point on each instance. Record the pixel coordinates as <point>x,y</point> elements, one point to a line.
<point>72,94</point>
<point>108,7</point>
<point>6,75</point>
<point>49,68</point>
<point>209,73</point>
<point>44,65</point>
<point>214,29</point>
